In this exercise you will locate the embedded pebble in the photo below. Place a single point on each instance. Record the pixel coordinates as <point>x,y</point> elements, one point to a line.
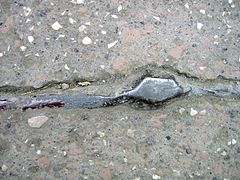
<point>193,112</point>
<point>114,16</point>
<point>156,18</point>
<point>224,153</point>
<point>130,133</point>
<point>81,28</point>
<point>155,176</point>
<point>30,39</point>
<point>112,44</point>
<point>181,110</point>
<point>27,10</point>
<point>199,26</point>
<point>4,168</point>
<point>86,40</point>
<point>119,8</point>
<point>72,21</point>
<point>38,121</point>
<point>56,26</point>
<point>103,32</point>
<point>65,86</point>
<point>202,11</point>
<point>1,54</point>
<point>203,112</point>
<point>101,134</point>
<point>234,141</point>
<point>186,6</point>
<point>80,1</point>
<point>23,48</point>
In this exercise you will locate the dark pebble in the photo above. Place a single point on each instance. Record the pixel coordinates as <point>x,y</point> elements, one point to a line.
<point>168,137</point>
<point>188,151</point>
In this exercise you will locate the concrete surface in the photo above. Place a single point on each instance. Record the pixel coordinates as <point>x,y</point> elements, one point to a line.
<point>55,46</point>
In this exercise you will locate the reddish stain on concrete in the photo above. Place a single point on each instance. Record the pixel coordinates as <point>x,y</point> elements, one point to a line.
<point>7,25</point>
<point>177,51</point>
<point>43,161</point>
<point>105,173</point>
<point>120,63</point>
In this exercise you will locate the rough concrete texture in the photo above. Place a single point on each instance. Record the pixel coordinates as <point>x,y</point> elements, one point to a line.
<point>51,46</point>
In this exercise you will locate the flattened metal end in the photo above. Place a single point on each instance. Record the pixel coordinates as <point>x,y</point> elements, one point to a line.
<point>156,90</point>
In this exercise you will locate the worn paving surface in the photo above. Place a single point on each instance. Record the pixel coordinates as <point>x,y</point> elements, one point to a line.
<point>55,46</point>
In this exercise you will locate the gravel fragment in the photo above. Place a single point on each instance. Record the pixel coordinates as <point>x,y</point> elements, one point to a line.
<point>202,11</point>
<point>120,8</point>
<point>112,44</point>
<point>81,28</point>
<point>65,86</point>
<point>23,48</point>
<point>234,141</point>
<point>181,110</point>
<point>199,26</point>
<point>30,39</point>
<point>86,40</point>
<point>37,122</point>
<point>155,176</point>
<point>4,168</point>
<point>72,21</point>
<point>193,112</point>
<point>56,26</point>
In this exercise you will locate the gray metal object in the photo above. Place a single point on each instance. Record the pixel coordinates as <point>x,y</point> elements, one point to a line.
<point>155,90</point>
<point>152,90</point>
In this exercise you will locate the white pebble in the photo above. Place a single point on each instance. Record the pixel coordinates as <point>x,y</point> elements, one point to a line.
<point>56,26</point>
<point>230,1</point>
<point>23,48</point>
<point>202,11</point>
<point>72,21</point>
<point>156,18</point>
<point>38,152</point>
<point>181,110</point>
<point>224,153</point>
<point>26,10</point>
<point>82,28</point>
<point>114,16</point>
<point>30,39</point>
<point>4,168</point>
<point>103,32</point>
<point>119,8</point>
<point>193,112</point>
<point>66,67</point>
<point>186,6</point>
<point>101,134</point>
<point>80,1</point>
<point>202,68</point>
<point>112,44</point>
<point>234,141</point>
<point>1,54</point>
<point>199,26</point>
<point>86,40</point>
<point>37,122</point>
<point>203,112</point>
<point>155,176</point>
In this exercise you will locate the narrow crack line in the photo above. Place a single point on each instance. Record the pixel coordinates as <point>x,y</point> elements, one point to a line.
<point>144,71</point>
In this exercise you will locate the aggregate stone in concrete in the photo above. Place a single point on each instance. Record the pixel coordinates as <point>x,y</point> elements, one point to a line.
<point>131,143</point>
<point>42,41</point>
